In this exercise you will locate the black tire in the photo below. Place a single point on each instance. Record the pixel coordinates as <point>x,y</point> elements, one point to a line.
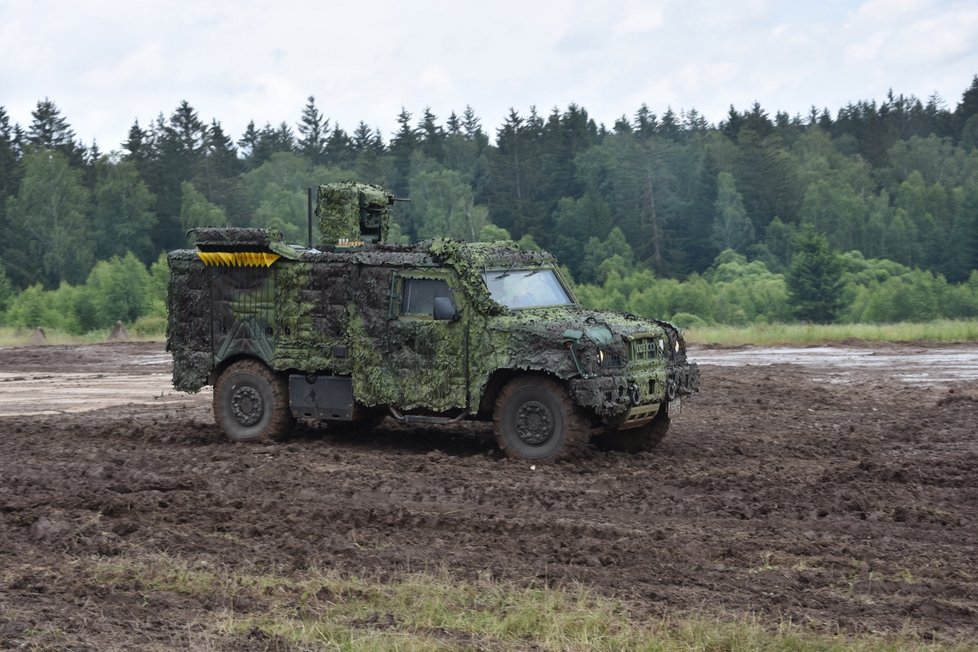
<point>536,420</point>
<point>637,440</point>
<point>251,403</point>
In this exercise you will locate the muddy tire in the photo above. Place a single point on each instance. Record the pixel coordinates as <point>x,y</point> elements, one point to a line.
<point>536,420</point>
<point>251,403</point>
<point>637,440</point>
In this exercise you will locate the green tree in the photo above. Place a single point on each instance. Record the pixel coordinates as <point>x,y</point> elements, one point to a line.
<point>962,250</point>
<point>492,233</point>
<point>9,157</point>
<point>49,237</point>
<point>744,292</point>
<point>119,290</point>
<point>431,136</point>
<point>123,218</point>
<point>732,228</point>
<point>514,188</point>
<point>466,150</point>
<point>763,170</point>
<point>159,278</point>
<point>7,291</point>
<point>654,191</point>
<point>814,279</point>
<point>27,308</point>
<point>178,151</point>
<point>576,222</point>
<point>339,149</point>
<point>52,309</point>
<point>196,211</point>
<point>368,150</point>
<point>602,257</point>
<point>443,206</point>
<point>217,172</point>
<point>258,145</point>
<point>275,193</point>
<point>50,130</point>
<point>313,133</point>
<point>402,148</point>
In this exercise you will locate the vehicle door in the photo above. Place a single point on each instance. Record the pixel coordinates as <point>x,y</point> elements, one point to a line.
<point>427,348</point>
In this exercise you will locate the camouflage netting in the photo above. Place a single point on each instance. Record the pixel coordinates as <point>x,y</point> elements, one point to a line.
<point>307,338</point>
<point>188,328</point>
<point>335,315</point>
<point>242,239</point>
<point>351,212</point>
<point>470,259</point>
<point>338,312</point>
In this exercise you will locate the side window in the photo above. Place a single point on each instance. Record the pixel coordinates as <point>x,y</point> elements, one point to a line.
<point>418,295</point>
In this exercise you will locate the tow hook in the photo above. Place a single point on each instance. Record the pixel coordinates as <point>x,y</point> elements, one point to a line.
<point>633,394</point>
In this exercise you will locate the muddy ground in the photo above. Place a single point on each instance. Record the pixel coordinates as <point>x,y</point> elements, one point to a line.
<point>843,500</point>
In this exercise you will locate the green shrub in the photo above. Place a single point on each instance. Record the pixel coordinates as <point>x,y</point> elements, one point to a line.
<point>149,326</point>
<point>688,320</point>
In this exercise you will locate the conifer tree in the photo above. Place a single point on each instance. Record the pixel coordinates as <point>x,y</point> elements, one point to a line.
<point>9,157</point>
<point>432,136</point>
<point>313,133</point>
<point>814,279</point>
<point>50,130</point>
<point>402,146</point>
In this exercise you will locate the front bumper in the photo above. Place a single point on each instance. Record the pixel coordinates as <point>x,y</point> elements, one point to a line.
<point>684,379</point>
<point>618,397</point>
<point>606,395</point>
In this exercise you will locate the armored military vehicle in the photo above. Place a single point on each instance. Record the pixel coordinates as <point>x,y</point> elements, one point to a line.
<point>356,329</point>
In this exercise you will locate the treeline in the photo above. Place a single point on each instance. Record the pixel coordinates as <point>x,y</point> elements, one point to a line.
<point>664,205</point>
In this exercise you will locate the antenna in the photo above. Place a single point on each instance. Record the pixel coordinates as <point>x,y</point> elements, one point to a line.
<point>309,214</point>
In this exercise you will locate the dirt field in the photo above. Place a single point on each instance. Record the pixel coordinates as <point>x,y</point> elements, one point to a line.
<point>840,499</point>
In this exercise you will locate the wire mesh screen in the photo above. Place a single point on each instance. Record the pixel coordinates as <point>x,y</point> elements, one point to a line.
<point>244,308</point>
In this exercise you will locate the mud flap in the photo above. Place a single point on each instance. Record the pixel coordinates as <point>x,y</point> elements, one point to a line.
<point>327,398</point>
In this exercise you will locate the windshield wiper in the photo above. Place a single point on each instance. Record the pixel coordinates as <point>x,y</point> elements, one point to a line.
<point>508,270</point>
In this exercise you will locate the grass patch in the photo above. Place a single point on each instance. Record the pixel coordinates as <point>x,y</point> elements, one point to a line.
<point>10,336</point>
<point>434,611</point>
<point>945,330</point>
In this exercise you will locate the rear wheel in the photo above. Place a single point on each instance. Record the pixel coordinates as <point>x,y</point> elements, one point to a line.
<point>640,439</point>
<point>536,420</point>
<point>251,402</point>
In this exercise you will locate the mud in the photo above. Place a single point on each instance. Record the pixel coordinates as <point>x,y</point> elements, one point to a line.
<point>845,507</point>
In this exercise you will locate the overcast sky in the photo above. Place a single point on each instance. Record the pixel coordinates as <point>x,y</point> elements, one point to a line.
<point>107,63</point>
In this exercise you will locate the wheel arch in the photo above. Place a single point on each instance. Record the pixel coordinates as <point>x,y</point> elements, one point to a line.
<point>500,378</point>
<point>220,367</point>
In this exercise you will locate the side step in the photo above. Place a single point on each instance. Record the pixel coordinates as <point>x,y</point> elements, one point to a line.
<point>424,419</point>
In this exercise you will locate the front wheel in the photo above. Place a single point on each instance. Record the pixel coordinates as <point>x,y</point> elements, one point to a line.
<point>536,420</point>
<point>251,402</point>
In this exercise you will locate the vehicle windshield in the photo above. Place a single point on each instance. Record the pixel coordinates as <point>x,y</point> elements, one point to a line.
<point>526,288</point>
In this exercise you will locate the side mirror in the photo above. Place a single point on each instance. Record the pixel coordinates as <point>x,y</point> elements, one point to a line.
<point>444,309</point>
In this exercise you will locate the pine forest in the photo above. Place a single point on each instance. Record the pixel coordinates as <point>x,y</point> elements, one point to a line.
<point>868,214</point>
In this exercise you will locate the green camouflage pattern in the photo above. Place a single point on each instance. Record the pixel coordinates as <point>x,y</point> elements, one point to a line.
<point>362,311</point>
<point>353,213</point>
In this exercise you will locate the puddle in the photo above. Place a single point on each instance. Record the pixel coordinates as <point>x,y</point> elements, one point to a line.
<point>39,394</point>
<point>921,366</point>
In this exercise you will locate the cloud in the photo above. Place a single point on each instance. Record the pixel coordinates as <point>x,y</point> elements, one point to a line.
<point>108,62</point>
